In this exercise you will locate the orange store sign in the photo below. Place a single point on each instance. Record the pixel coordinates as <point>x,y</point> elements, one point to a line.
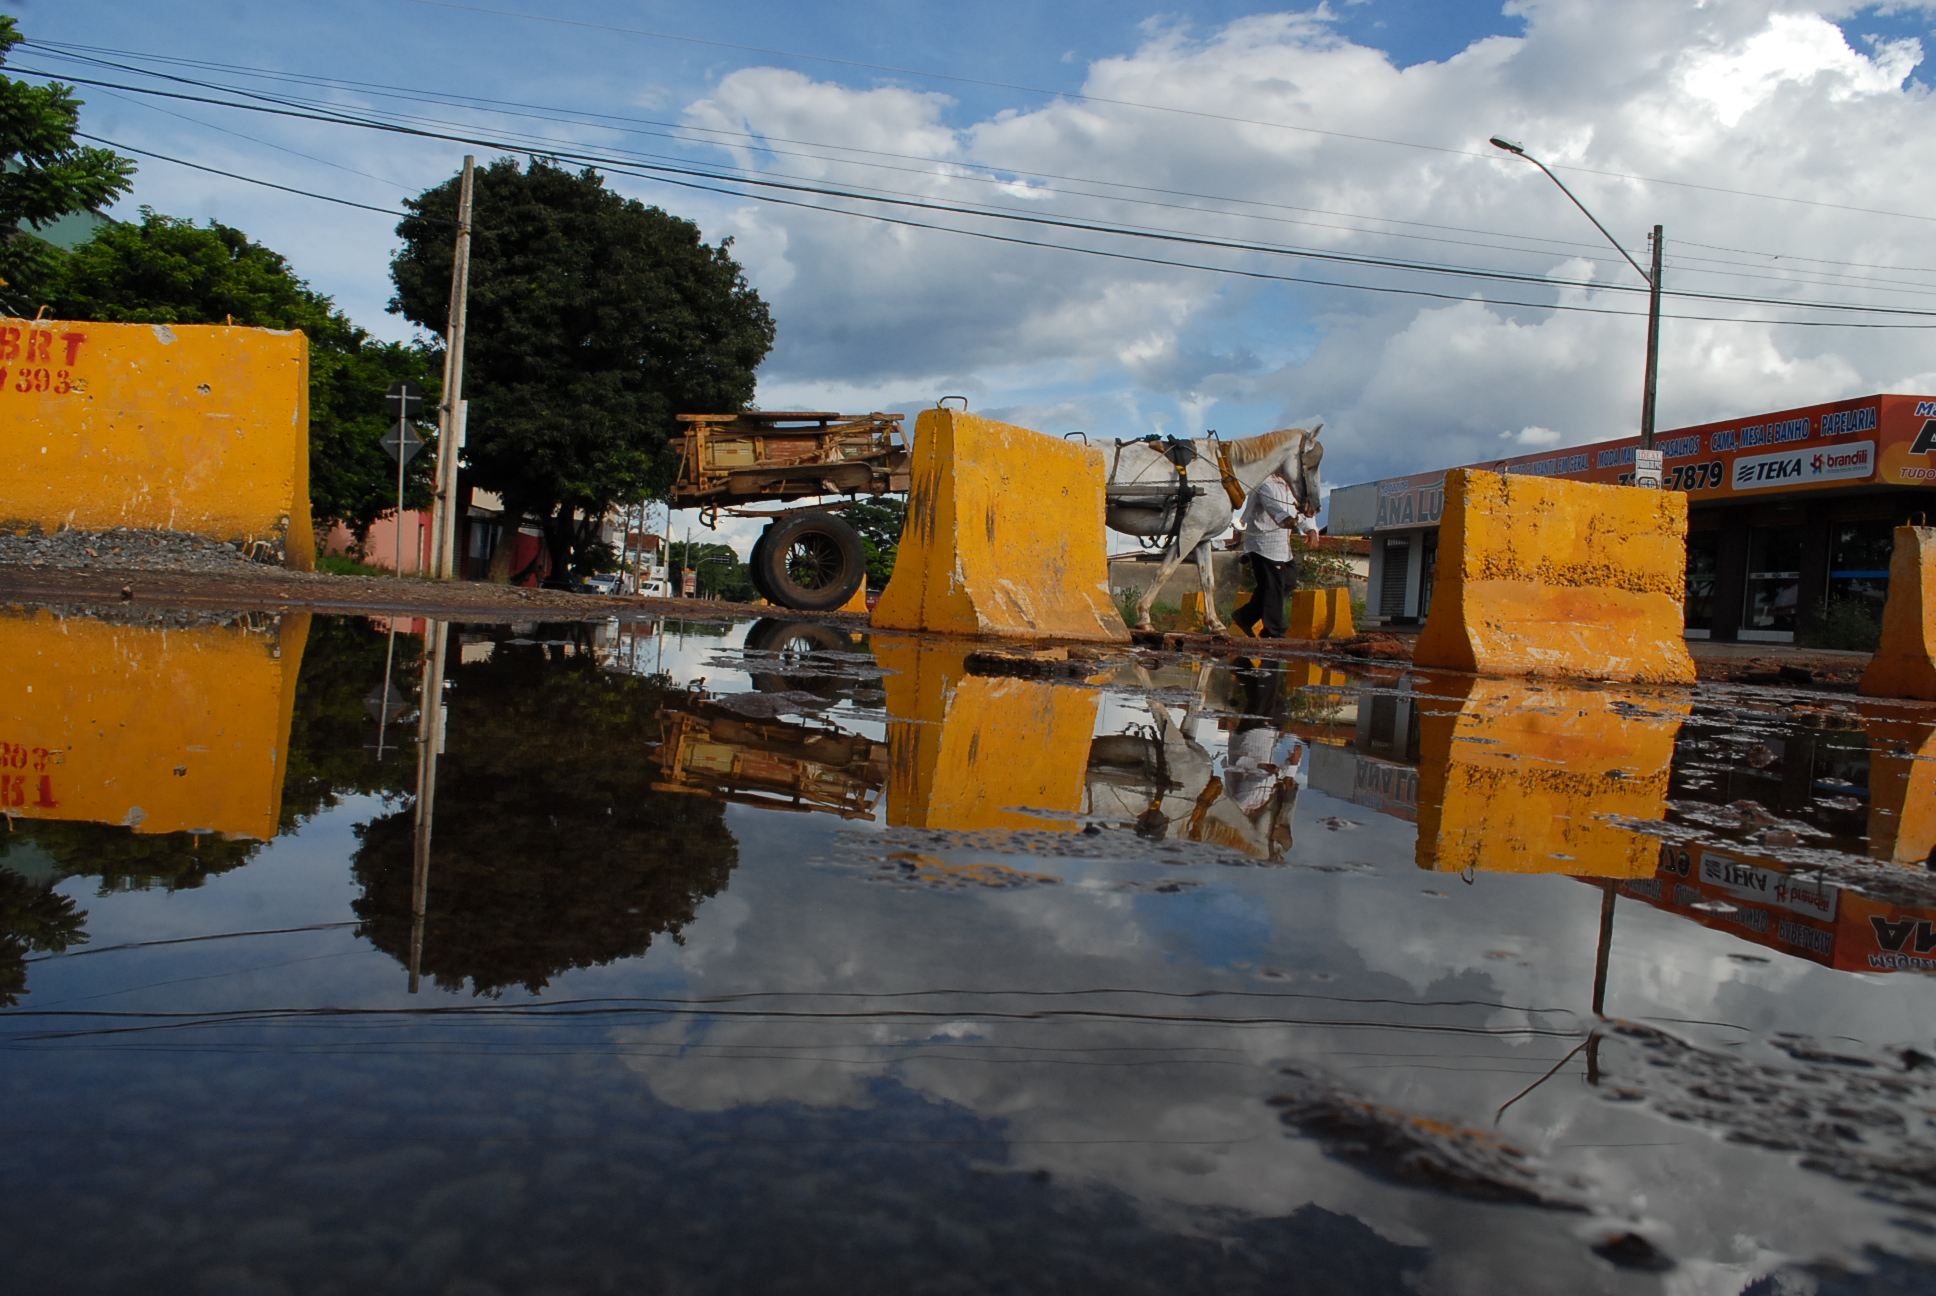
<point>1886,440</point>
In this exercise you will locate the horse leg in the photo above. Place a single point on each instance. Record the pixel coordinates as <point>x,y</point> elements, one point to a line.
<point>1207,582</point>
<point>1171,561</point>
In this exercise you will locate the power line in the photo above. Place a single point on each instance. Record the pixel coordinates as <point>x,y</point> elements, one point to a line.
<point>562,116</point>
<point>1131,103</point>
<point>266,184</point>
<point>343,118</point>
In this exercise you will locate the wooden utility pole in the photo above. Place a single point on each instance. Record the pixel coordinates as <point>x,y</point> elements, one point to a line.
<point>451,421</point>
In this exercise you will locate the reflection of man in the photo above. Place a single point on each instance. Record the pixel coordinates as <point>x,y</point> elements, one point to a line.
<point>1270,514</point>
<point>1261,784</point>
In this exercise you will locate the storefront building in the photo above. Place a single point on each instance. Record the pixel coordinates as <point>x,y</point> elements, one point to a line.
<point>1790,514</point>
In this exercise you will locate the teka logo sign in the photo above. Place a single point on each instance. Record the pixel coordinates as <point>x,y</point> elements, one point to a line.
<point>1802,467</point>
<point>1925,442</point>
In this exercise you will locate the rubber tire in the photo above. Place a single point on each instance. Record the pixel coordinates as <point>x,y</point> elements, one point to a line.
<point>799,637</point>
<point>843,545</point>
<point>754,566</point>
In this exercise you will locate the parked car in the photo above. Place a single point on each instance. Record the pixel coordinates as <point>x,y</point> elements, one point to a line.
<point>603,583</point>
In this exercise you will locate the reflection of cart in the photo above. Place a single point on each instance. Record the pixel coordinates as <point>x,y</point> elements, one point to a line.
<point>808,558</point>
<point>708,749</point>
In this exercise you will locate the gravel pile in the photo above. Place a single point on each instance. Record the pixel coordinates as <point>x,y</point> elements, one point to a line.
<point>127,548</point>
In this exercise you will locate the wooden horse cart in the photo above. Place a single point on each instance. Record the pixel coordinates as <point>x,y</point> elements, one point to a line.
<point>808,558</point>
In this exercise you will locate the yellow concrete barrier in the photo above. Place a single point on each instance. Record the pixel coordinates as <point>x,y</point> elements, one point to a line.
<point>1538,576</point>
<point>1320,614</point>
<point>160,730</point>
<point>1902,782</point>
<point>969,752</point>
<point>1004,536</point>
<point>1904,665</point>
<point>1519,778</point>
<point>188,427</point>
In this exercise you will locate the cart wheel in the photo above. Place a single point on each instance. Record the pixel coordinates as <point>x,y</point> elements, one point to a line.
<point>756,567</point>
<point>795,642</point>
<point>812,562</point>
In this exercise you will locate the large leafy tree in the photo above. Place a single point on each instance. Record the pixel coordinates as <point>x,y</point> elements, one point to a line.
<point>552,850</point>
<point>165,270</point>
<point>593,320</point>
<point>44,175</point>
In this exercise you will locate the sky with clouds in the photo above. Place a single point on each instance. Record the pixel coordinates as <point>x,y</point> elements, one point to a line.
<point>1780,144</point>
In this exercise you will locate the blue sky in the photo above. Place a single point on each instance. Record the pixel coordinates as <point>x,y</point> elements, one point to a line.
<point>1350,129</point>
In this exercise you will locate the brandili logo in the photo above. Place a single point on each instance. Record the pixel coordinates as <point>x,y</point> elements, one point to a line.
<point>1815,464</point>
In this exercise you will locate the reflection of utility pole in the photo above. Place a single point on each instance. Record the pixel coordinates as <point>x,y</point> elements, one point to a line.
<point>1609,892</point>
<point>430,743</point>
<point>383,715</point>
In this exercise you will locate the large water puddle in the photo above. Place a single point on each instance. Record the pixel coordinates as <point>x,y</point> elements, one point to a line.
<point>347,955</point>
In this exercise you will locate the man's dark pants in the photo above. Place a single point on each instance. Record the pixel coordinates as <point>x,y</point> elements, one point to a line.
<point>1274,583</point>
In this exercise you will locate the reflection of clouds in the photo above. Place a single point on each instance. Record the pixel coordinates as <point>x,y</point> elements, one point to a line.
<point>1137,1092</point>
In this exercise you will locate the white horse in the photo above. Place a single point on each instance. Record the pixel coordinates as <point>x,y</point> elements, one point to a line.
<point>1144,492</point>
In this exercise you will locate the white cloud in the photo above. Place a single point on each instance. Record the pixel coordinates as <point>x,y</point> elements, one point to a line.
<point>1738,95</point>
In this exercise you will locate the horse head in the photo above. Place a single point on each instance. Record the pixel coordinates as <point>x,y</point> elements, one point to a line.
<point>1299,466</point>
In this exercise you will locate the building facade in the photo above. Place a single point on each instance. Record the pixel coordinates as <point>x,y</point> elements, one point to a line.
<point>1790,514</point>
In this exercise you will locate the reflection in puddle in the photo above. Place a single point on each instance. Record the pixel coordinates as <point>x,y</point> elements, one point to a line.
<point>729,957</point>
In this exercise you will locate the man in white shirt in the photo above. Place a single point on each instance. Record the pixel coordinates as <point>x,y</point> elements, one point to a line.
<point>1270,514</point>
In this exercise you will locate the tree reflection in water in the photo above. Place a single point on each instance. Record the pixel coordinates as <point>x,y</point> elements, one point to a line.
<point>551,851</point>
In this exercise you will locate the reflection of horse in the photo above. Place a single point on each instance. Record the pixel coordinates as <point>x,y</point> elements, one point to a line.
<point>1165,782</point>
<point>1147,491</point>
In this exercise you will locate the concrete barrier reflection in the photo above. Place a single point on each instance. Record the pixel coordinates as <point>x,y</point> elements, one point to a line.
<point>155,728</point>
<point>969,752</point>
<point>1520,778</point>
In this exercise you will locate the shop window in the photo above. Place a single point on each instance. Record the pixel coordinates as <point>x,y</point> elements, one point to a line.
<point>1703,562</point>
<point>1774,581</point>
<point>1858,565</point>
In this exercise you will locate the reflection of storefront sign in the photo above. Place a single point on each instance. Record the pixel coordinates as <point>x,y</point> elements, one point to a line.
<point>1854,461</point>
<point>1386,788</point>
<point>1752,901</point>
<point>1751,882</point>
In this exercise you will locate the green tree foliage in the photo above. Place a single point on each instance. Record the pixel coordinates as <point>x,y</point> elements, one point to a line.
<point>879,522</point>
<point>593,320</point>
<point>333,730</point>
<point>551,850</point>
<point>170,271</point>
<point>721,575</point>
<point>45,176</point>
<point>34,919</point>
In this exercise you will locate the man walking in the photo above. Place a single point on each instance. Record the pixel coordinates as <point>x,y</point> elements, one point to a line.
<point>1269,515</point>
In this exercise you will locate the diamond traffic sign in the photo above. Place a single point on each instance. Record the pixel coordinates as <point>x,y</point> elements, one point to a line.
<point>402,443</point>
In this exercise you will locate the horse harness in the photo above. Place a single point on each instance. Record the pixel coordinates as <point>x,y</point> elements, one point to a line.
<point>1182,452</point>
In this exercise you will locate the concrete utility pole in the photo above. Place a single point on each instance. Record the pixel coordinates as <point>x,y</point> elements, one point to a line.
<point>1653,349</point>
<point>451,421</point>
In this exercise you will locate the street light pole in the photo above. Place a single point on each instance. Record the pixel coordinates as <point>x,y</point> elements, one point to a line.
<point>1653,289</point>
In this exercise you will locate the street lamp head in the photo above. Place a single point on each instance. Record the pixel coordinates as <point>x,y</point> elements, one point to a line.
<point>1511,146</point>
